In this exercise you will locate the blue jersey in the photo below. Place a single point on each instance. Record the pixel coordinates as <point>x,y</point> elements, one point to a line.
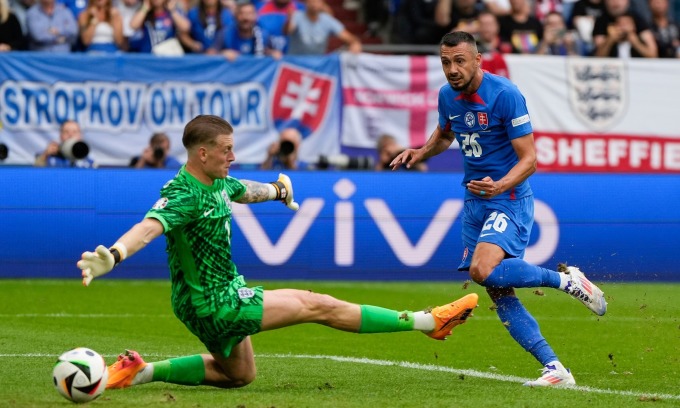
<point>484,123</point>
<point>255,45</point>
<point>155,31</point>
<point>272,18</point>
<point>206,33</point>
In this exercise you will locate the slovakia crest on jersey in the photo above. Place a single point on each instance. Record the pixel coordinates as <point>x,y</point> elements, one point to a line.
<point>598,91</point>
<point>301,99</point>
<point>483,120</point>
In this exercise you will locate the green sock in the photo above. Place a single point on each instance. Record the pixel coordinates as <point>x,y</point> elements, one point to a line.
<point>380,320</point>
<point>188,370</point>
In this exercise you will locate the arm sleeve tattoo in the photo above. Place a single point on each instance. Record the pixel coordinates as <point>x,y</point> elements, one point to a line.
<point>255,192</point>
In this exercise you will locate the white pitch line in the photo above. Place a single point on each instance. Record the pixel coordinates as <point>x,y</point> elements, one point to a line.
<point>415,366</point>
<point>469,373</point>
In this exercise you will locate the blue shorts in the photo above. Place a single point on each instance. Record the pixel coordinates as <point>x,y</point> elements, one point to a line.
<point>506,223</point>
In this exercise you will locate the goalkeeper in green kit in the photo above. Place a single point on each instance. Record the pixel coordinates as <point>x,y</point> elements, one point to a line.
<point>209,295</point>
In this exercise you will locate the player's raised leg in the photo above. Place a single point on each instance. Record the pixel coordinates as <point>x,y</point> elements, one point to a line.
<point>517,273</point>
<point>286,307</point>
<point>584,290</point>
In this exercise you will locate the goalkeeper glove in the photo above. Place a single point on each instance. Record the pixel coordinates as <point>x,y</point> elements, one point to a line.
<point>284,192</point>
<point>101,261</point>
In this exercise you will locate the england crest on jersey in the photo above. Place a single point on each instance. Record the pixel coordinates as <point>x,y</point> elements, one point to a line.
<point>598,91</point>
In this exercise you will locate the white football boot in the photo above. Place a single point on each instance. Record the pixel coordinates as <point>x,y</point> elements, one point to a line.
<point>584,290</point>
<point>553,375</point>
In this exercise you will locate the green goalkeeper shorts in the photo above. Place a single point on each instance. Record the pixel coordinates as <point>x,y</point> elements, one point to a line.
<point>232,322</point>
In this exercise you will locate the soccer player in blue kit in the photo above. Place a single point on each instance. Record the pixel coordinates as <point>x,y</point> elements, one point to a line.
<point>488,117</point>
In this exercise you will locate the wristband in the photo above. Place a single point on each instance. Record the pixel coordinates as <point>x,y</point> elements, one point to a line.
<point>116,256</point>
<point>281,191</point>
<point>119,252</point>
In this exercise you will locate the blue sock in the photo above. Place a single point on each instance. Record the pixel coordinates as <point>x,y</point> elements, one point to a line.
<point>524,328</point>
<point>517,273</point>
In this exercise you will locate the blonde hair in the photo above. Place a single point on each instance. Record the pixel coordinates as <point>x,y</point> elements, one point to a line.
<point>4,11</point>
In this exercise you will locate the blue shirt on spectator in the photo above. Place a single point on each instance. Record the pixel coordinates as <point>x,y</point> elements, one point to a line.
<point>53,33</point>
<point>206,34</point>
<point>272,18</point>
<point>153,32</point>
<point>256,45</point>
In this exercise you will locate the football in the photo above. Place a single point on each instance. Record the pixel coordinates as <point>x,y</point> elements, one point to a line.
<point>80,374</point>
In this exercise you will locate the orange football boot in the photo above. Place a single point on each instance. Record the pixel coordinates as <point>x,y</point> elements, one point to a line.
<point>123,371</point>
<point>449,316</point>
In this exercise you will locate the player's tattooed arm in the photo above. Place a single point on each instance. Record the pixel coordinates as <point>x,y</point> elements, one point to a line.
<point>255,192</point>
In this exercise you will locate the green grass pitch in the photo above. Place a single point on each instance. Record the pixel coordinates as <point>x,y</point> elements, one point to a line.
<point>628,358</point>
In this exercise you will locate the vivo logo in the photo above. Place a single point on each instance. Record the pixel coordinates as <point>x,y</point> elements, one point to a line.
<point>409,253</point>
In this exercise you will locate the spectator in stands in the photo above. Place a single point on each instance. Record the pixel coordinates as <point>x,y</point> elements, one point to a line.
<point>11,36</point>
<point>156,155</point>
<point>101,28</point>
<point>51,27</point>
<point>127,9</point>
<point>70,151</point>
<point>272,16</point>
<point>208,21</point>
<point>458,15</point>
<point>619,32</point>
<point>489,43</point>
<point>245,37</point>
<point>415,23</point>
<point>666,33</point>
<point>583,17</point>
<point>387,149</point>
<point>557,40</point>
<point>283,154</point>
<point>156,24</point>
<point>520,29</point>
<point>308,31</point>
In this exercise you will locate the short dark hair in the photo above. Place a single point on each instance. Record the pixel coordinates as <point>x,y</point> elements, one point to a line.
<point>456,37</point>
<point>204,129</point>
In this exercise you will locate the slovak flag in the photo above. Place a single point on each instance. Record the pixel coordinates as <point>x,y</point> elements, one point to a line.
<point>301,99</point>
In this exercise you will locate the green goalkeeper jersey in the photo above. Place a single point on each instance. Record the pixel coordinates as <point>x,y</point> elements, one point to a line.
<point>196,220</point>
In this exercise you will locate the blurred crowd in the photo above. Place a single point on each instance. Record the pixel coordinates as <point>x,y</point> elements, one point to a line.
<point>601,28</point>
<point>614,28</point>
<point>172,27</point>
